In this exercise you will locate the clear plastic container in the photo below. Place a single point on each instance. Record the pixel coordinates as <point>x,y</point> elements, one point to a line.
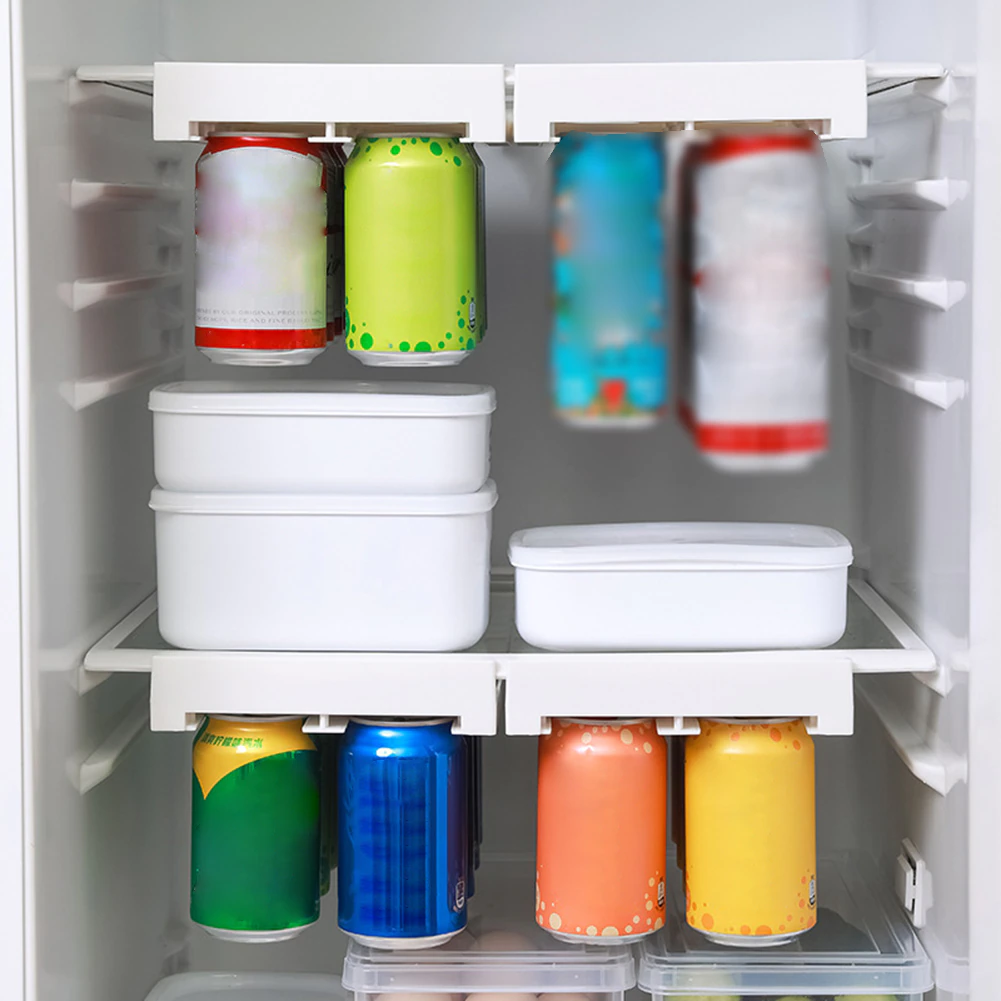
<point>247,987</point>
<point>862,945</point>
<point>502,952</point>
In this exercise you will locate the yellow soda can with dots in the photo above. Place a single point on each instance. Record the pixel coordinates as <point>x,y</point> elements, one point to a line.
<point>412,275</point>
<point>750,831</point>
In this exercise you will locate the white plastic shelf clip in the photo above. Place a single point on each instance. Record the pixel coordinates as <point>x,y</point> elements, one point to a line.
<point>941,391</point>
<point>933,194</point>
<point>934,764</point>
<point>85,392</point>
<point>550,98</point>
<point>330,100</point>
<point>919,290</point>
<point>86,292</point>
<point>107,194</point>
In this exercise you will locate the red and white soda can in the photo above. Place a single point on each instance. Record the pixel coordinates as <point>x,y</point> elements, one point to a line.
<point>261,250</point>
<point>753,311</point>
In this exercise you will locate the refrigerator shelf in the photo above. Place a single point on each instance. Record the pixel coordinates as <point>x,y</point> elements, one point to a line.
<point>676,688</point>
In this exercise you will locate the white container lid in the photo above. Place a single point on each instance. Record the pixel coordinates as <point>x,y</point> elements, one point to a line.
<point>431,505</point>
<point>680,546</point>
<point>288,398</point>
<point>248,987</point>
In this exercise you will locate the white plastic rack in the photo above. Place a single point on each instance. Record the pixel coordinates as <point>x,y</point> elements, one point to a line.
<point>827,96</point>
<point>676,688</point>
<point>335,102</point>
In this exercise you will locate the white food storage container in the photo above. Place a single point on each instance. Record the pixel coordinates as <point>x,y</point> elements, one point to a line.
<point>683,586</point>
<point>321,437</point>
<point>311,572</point>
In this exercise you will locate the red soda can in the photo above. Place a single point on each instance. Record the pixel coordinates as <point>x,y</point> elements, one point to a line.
<point>261,250</point>
<point>753,316</point>
<point>602,830</point>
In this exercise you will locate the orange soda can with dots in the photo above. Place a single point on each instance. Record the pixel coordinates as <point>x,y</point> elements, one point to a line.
<point>602,830</point>
<point>750,831</point>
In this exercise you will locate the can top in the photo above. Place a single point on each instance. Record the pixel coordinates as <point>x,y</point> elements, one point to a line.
<point>727,145</point>
<point>680,546</point>
<point>751,720</point>
<point>294,142</point>
<point>397,722</point>
<point>252,720</point>
<point>288,398</point>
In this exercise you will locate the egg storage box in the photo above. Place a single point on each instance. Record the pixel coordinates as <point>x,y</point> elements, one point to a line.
<point>503,955</point>
<point>862,946</point>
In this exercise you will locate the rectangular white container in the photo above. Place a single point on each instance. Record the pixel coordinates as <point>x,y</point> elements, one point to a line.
<point>321,437</point>
<point>311,572</point>
<point>683,586</point>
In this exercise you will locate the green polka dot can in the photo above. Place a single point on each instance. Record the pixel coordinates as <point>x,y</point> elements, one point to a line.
<point>412,265</point>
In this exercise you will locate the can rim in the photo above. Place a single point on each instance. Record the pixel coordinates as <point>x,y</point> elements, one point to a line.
<point>257,135</point>
<point>752,720</point>
<point>605,720</point>
<point>413,721</point>
<point>413,135</point>
<point>252,718</point>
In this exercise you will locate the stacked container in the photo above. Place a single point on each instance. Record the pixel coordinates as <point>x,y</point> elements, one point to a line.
<point>322,515</point>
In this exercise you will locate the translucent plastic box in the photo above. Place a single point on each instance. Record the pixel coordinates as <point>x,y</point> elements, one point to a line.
<point>862,945</point>
<point>247,987</point>
<point>502,951</point>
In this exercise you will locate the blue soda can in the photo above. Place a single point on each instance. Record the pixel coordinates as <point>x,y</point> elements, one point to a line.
<point>609,342</point>
<point>403,839</point>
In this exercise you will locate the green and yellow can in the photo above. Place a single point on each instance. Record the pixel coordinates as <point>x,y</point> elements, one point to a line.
<point>413,270</point>
<point>255,828</point>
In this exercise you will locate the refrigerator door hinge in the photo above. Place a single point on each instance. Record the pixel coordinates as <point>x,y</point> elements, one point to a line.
<point>913,884</point>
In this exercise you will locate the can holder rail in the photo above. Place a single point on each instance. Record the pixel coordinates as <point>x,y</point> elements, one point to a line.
<point>334,102</point>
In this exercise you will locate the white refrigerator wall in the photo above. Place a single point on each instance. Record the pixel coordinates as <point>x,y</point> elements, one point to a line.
<point>106,872</point>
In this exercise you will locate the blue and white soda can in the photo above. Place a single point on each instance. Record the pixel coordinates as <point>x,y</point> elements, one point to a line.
<point>403,833</point>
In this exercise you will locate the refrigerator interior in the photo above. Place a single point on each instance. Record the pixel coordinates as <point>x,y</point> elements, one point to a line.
<point>106,870</point>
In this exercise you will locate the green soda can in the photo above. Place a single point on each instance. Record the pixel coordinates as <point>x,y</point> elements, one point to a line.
<point>410,251</point>
<point>255,828</point>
